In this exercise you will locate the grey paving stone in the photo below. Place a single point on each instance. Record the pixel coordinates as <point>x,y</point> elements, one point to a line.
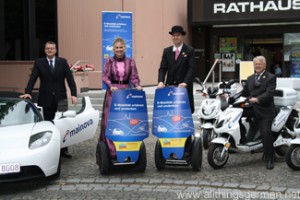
<point>278,189</point>
<point>128,180</point>
<point>246,186</point>
<point>191,182</point>
<point>153,181</point>
<point>231,185</point>
<point>114,180</point>
<point>142,180</point>
<point>263,187</point>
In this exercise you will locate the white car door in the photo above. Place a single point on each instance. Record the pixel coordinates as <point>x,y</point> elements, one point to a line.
<point>78,128</point>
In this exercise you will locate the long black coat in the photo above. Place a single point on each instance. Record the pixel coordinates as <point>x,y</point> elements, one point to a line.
<point>51,84</point>
<point>265,92</point>
<point>180,71</point>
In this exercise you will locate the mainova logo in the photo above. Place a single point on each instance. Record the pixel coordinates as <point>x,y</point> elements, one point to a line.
<point>174,93</point>
<point>120,16</point>
<point>130,95</point>
<point>260,6</point>
<point>78,129</point>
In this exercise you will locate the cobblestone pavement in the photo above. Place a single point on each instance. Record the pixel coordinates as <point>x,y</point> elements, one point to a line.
<point>243,177</point>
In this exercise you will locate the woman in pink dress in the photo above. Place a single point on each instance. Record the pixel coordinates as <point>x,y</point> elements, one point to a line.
<point>119,72</point>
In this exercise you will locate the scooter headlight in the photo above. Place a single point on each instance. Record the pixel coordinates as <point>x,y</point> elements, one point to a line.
<point>40,139</point>
<point>207,112</point>
<point>221,123</point>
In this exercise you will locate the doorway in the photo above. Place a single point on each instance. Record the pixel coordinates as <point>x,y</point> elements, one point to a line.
<point>270,47</point>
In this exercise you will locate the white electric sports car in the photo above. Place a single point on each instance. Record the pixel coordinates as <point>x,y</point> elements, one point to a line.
<point>30,147</point>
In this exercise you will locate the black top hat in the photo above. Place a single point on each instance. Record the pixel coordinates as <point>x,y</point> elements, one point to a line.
<point>177,29</point>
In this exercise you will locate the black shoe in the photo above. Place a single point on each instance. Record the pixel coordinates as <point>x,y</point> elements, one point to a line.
<point>66,154</point>
<point>269,164</point>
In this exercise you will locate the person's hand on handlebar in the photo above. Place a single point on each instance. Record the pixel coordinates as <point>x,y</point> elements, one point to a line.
<point>113,89</point>
<point>139,88</point>
<point>253,100</point>
<point>181,85</point>
<point>25,96</point>
<point>161,85</point>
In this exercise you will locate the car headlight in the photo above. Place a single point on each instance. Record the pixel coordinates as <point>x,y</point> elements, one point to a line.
<point>40,139</point>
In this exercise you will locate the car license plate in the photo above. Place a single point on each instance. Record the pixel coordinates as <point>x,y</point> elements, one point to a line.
<point>10,168</point>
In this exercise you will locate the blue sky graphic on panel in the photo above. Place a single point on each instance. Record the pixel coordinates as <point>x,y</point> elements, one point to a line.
<point>128,116</point>
<point>172,117</point>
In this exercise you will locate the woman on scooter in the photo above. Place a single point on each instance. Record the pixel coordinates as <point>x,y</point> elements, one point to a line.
<point>119,72</point>
<point>259,88</point>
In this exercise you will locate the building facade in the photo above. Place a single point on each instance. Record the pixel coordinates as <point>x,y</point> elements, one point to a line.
<point>75,25</point>
<point>237,30</point>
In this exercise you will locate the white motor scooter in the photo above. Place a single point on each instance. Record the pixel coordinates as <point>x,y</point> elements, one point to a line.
<point>292,157</point>
<point>212,107</point>
<point>229,131</point>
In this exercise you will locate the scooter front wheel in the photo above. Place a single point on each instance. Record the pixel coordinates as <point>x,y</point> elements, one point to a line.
<point>160,161</point>
<point>215,158</point>
<point>196,160</point>
<point>293,157</point>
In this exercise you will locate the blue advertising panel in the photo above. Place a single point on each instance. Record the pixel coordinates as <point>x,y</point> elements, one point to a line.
<point>115,24</point>
<point>172,119</point>
<point>295,61</point>
<point>127,123</point>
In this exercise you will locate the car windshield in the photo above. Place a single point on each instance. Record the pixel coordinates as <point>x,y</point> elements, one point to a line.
<point>17,112</point>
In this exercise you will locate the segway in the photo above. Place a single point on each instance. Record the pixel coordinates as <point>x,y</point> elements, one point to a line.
<point>173,125</point>
<point>127,127</point>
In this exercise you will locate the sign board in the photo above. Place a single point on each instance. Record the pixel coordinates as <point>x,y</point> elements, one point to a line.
<point>172,119</point>
<point>115,24</point>
<point>246,69</point>
<point>127,124</point>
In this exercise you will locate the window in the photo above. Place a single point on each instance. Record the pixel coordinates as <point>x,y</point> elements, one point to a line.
<point>25,26</point>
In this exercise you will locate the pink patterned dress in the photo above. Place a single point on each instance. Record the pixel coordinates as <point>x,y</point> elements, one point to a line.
<point>117,73</point>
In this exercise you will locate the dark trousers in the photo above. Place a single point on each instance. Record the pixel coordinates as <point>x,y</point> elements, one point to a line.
<point>49,114</point>
<point>265,126</point>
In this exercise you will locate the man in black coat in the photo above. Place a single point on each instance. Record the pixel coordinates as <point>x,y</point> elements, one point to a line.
<point>259,88</point>
<point>178,64</point>
<point>52,72</point>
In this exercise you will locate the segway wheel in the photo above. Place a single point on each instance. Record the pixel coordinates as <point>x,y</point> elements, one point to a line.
<point>160,161</point>
<point>207,137</point>
<point>104,161</point>
<point>215,158</point>
<point>292,157</point>
<point>142,161</point>
<point>196,159</point>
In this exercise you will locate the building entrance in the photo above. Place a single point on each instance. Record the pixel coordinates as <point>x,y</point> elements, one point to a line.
<point>270,47</point>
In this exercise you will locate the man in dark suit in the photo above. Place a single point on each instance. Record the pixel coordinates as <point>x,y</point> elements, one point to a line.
<point>52,72</point>
<point>178,63</point>
<point>259,88</point>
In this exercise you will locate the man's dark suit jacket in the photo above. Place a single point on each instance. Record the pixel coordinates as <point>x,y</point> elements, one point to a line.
<point>51,84</point>
<point>180,71</point>
<point>265,108</point>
